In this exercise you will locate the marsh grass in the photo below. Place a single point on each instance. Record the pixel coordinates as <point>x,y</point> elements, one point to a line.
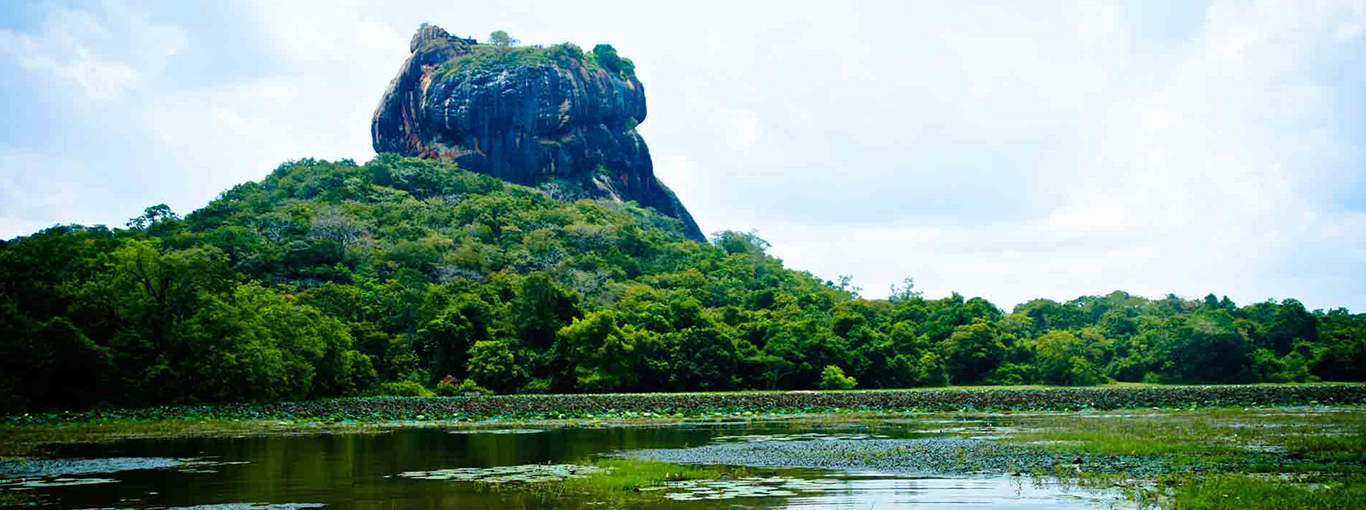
<point>619,486</point>
<point>1329,446</point>
<point>1336,447</point>
<point>1244,492</point>
<point>1335,435</point>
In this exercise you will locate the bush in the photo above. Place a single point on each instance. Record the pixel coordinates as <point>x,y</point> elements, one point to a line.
<point>445,389</point>
<point>466,387</point>
<point>404,389</point>
<point>607,57</point>
<point>833,378</point>
<point>536,387</point>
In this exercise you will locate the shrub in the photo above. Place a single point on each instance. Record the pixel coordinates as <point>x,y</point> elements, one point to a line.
<point>404,389</point>
<point>465,388</point>
<point>607,57</point>
<point>445,389</point>
<point>833,378</point>
<point>536,387</point>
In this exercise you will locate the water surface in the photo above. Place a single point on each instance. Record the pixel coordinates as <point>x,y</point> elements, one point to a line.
<point>362,471</point>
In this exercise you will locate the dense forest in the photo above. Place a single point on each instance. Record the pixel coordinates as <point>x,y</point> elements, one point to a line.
<point>338,279</point>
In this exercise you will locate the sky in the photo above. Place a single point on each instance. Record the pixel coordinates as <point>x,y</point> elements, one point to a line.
<point>1003,149</point>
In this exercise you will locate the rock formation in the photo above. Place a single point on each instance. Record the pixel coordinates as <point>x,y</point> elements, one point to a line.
<point>553,118</point>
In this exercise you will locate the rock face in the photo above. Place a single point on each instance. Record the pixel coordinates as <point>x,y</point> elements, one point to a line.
<point>552,118</point>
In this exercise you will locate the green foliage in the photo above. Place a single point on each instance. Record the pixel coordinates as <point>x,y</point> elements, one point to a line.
<point>501,38</point>
<point>1065,360</point>
<point>973,351</point>
<point>331,279</point>
<point>498,56</point>
<point>833,378</point>
<point>493,364</point>
<point>466,388</point>
<point>542,306</point>
<point>605,357</point>
<point>1247,492</point>
<point>403,389</point>
<point>607,57</point>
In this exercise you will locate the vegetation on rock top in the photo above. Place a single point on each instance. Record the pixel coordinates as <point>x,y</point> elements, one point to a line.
<point>495,57</point>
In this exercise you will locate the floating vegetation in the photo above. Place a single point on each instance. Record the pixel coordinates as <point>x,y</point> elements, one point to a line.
<point>496,431</point>
<point>748,487</point>
<point>810,436</point>
<point>919,456</point>
<point>50,468</point>
<point>35,483</point>
<point>245,506</point>
<point>526,473</point>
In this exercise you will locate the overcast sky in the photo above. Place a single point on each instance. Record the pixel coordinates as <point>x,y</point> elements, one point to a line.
<point>1005,149</point>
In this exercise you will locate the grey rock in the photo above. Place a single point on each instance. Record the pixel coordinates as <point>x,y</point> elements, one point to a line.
<point>559,124</point>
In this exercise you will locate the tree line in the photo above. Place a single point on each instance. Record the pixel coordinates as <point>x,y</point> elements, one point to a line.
<point>331,279</point>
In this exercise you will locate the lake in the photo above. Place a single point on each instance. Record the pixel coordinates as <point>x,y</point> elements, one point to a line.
<point>377,470</point>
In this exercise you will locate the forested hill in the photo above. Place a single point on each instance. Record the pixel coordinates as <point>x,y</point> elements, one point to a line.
<point>335,279</point>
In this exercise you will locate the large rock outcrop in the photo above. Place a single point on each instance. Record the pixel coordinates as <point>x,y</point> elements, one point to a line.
<point>552,118</point>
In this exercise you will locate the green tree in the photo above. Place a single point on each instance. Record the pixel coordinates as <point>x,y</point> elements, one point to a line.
<point>904,292</point>
<point>541,308</point>
<point>973,351</point>
<point>1202,348</point>
<point>501,38</point>
<point>443,343</point>
<point>932,371</point>
<point>701,357</point>
<point>605,356</point>
<point>152,215</point>
<point>833,378</point>
<point>493,365</point>
<point>1065,360</point>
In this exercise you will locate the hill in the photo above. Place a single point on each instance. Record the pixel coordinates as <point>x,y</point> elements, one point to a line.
<point>333,278</point>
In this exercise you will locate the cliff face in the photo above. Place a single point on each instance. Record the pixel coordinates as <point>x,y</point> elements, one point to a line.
<point>553,118</point>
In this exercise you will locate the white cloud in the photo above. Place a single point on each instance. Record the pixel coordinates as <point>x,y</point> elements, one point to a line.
<point>679,173</point>
<point>105,56</point>
<point>742,128</point>
<point>36,187</point>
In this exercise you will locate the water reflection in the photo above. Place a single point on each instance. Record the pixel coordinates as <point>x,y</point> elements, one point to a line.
<point>957,493</point>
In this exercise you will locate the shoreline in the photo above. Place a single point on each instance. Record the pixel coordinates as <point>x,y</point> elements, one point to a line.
<point>32,434</point>
<point>682,405</point>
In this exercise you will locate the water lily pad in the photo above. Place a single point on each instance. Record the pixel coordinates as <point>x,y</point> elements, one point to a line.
<point>496,431</point>
<point>49,468</point>
<point>53,482</point>
<point>749,487</point>
<point>527,473</point>
<point>810,436</point>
